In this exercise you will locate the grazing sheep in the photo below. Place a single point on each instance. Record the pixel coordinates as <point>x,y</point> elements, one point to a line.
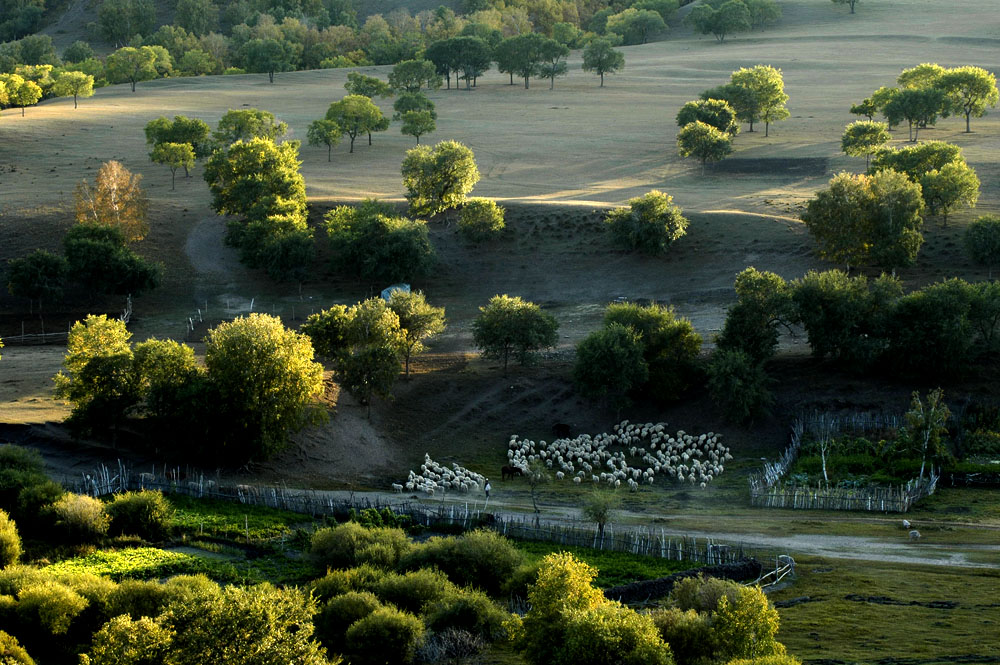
<point>397,488</point>
<point>914,534</point>
<point>906,524</point>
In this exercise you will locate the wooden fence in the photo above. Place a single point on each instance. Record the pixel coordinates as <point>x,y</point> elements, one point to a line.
<point>767,490</point>
<point>645,541</point>
<point>38,338</point>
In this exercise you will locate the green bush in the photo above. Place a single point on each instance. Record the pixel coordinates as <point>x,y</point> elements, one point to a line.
<point>688,633</point>
<point>783,659</point>
<point>982,442</point>
<point>138,598</point>
<point>96,591</point>
<point>11,652</point>
<point>470,611</point>
<point>17,577</point>
<point>339,614</point>
<point>702,594</point>
<point>19,468</point>
<point>738,384</point>
<point>650,224</point>
<point>127,641</point>
<point>517,584</point>
<point>746,627</point>
<point>611,633</point>
<point>32,500</point>
<point>339,582</point>
<point>482,559</point>
<point>10,541</point>
<point>481,220</point>
<point>80,518</point>
<point>415,590</point>
<point>50,606</point>
<point>350,544</point>
<point>387,635</point>
<point>144,513</point>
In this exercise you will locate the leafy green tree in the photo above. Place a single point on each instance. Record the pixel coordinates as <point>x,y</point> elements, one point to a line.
<point>412,101</point>
<point>523,55</point>
<point>199,17</point>
<point>75,84</point>
<point>369,372</point>
<point>741,99</point>
<point>443,56</point>
<point>417,123</point>
<point>121,20</point>
<point>472,57</point>
<point>665,8</point>
<point>270,56</point>
<point>738,384</point>
<point>412,75</point>
<point>175,156</point>
<point>38,276</point>
<point>324,132</point>
<point>762,12</point>
<point>651,223</point>
<point>167,372</point>
<point>866,108</point>
<point>98,259</point>
<point>10,551</point>
<point>265,380</point>
<point>132,65</point>
<point>418,321</point>
<point>600,57</point>
<point>704,142</point>
<point>730,17</point>
<point>370,241</point>
<point>367,86</point>
<point>918,160</point>
<point>918,106</point>
<point>124,641</point>
<point>763,305</point>
<point>614,630</point>
<point>481,219</point>
<point>713,112</point>
<point>328,330</point>
<point>864,137</point>
<point>768,89</point>
<point>864,219</point>
<point>438,178</point>
<point>850,3</point>
<point>601,506</point>
<point>610,365</point>
<point>950,188</point>
<point>925,425</point>
<point>357,114</point>
<point>970,90</point>
<point>747,627</point>
<point>181,129</point>
<point>636,26</point>
<point>982,241</point>
<point>198,63</point>
<point>511,327</point>
<point>19,91</point>
<point>923,76</point>
<point>553,61</point>
<point>247,124</point>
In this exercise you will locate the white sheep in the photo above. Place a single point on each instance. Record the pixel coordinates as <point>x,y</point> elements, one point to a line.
<point>397,488</point>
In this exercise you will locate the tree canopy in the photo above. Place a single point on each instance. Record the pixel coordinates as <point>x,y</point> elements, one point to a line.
<point>116,199</point>
<point>438,178</point>
<point>970,90</point>
<point>715,112</point>
<point>74,84</point>
<point>768,88</point>
<point>730,17</point>
<point>650,223</point>
<point>418,321</point>
<point>864,137</point>
<point>246,124</point>
<point>703,142</point>
<point>509,327</point>
<point>356,115</point>
<point>600,57</point>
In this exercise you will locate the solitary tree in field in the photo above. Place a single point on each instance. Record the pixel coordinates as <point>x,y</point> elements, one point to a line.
<point>946,189</point>
<point>418,321</point>
<point>175,156</point>
<point>324,132</point>
<point>510,327</point>
<point>132,65</point>
<point>269,56</point>
<point>768,88</point>
<point>650,223</point>
<point>357,114</point>
<point>553,61</point>
<point>703,142</point>
<point>970,90</point>
<point>438,178</point>
<point>115,199</point>
<point>38,276</point>
<point>417,123</point>
<point>982,241</point>
<point>600,507</point>
<point>368,86</point>
<point>850,3</point>
<point>600,57</point>
<point>75,84</point>
<point>864,137</point>
<point>715,112</point>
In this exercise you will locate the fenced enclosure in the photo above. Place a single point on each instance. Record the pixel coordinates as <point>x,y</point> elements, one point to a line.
<point>646,541</point>
<point>768,491</point>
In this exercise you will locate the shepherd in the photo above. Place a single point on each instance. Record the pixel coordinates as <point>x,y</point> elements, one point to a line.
<point>486,488</point>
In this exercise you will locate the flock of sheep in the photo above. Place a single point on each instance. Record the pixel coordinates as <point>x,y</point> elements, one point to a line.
<point>435,477</point>
<point>695,459</point>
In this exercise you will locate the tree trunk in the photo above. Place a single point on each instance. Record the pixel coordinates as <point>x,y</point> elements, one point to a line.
<point>967,129</point>
<point>369,138</point>
<point>751,127</point>
<point>270,75</point>
<point>74,106</point>
<point>447,79</point>
<point>22,111</point>
<point>329,153</point>
<point>133,85</point>
<point>511,78</point>
<point>352,144</point>
<point>602,79</point>
<point>552,83</point>
<point>767,128</point>
<point>173,179</point>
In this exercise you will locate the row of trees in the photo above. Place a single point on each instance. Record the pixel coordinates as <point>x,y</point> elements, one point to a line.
<point>28,85</point>
<point>725,17</point>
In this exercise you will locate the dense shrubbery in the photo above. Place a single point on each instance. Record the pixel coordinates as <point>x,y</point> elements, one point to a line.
<point>145,514</point>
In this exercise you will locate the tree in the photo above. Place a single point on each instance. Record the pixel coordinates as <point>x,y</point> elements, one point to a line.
<point>738,384</point>
<point>704,142</point>
<point>98,260</point>
<point>368,372</point>
<point>945,190</point>
<point>444,58</point>
<point>10,552</point>
<point>763,303</point>
<point>367,86</point>
<point>370,241</point>
<point>78,51</point>
<point>198,63</point>
<point>925,423</point>
<point>357,114</point>
<point>173,155</point>
<point>523,55</point>
<point>120,20</point>
<point>864,219</point>
<point>768,89</point>
<point>731,17</point>
<point>636,26</point>
<point>867,108</point>
<point>418,321</point>
<point>412,101</point>
<point>713,112</point>
<point>651,223</point>
<point>553,61</point>
<point>600,57</point>
<point>982,241</point>
<point>265,380</point>
<point>510,327</point>
<point>19,91</point>
<point>269,56</point>
<point>481,219</point>
<point>918,160</point>
<point>439,178</point>
<point>417,123</point>
<point>38,276</point>
<point>472,57</point>
<point>199,17</point>
<point>115,199</point>
<point>127,641</point>
<point>741,99</point>
<point>923,76</point>
<point>918,106</point>
<point>762,12</point>
<point>246,124</point>
<point>970,90</point>
<point>168,375</point>
<point>76,84</point>
<point>324,132</point>
<point>747,626</point>
<point>610,365</point>
<point>132,65</point>
<point>864,137</point>
<point>601,507</point>
<point>850,3</point>
<point>181,129</point>
<point>412,75</point>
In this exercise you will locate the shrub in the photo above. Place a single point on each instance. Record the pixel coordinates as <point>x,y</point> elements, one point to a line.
<point>339,614</point>
<point>138,598</point>
<point>469,611</point>
<point>33,498</point>
<point>481,220</point>
<point>10,541</point>
<point>96,591</point>
<point>520,580</point>
<point>387,635</point>
<point>19,468</point>
<point>783,659</point>
<point>688,633</point>
<point>16,577</point>
<point>612,633</point>
<point>415,590</point>
<point>144,513</point>
<point>80,518</point>
<point>451,646</point>
<point>702,594</point>
<point>481,558</point>
<point>650,224</point>
<point>339,582</point>
<point>50,606</point>
<point>747,627</point>
<point>185,588</point>
<point>127,641</point>
<point>11,653</point>
<point>349,544</point>
<point>738,384</point>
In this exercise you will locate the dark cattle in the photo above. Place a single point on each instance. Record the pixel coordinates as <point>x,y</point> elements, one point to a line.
<point>561,431</point>
<point>510,472</point>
